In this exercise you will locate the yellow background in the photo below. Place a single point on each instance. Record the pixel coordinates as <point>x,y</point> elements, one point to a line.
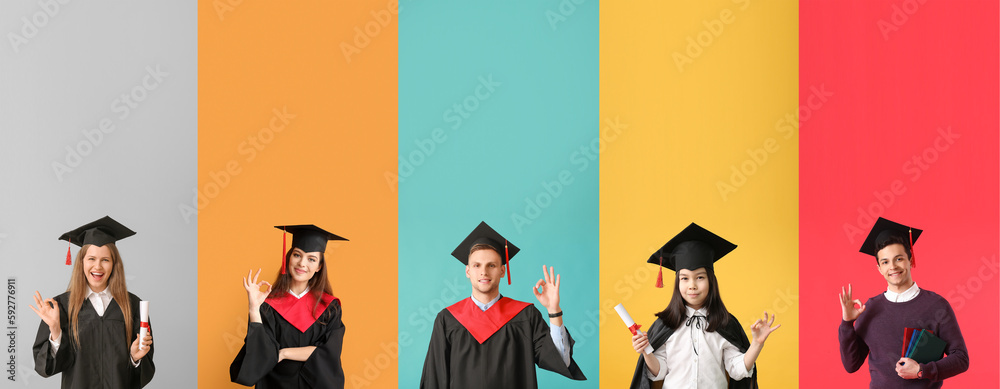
<point>686,130</point>
<point>326,167</point>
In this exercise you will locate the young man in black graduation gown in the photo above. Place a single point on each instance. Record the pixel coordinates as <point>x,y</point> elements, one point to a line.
<point>490,341</point>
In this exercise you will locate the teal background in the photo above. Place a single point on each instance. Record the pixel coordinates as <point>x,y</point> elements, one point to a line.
<point>492,164</point>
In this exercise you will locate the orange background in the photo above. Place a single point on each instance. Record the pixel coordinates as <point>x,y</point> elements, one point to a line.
<point>326,166</point>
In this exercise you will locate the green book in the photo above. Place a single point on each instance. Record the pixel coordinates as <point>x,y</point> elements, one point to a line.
<point>928,348</point>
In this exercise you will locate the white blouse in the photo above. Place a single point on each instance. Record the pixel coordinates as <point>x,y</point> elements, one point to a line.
<point>694,358</point>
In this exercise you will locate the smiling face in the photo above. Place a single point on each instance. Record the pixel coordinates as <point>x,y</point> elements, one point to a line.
<point>894,265</point>
<point>97,264</point>
<point>693,285</point>
<point>485,271</point>
<point>302,265</point>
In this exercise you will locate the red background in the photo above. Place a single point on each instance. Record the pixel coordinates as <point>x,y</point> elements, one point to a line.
<point>891,94</point>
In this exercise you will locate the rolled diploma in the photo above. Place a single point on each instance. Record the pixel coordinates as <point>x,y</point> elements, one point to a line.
<point>629,323</point>
<point>144,326</point>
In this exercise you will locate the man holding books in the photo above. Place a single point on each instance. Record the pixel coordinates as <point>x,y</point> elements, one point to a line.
<point>884,328</point>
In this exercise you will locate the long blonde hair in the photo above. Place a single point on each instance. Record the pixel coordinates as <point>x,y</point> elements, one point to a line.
<point>78,290</point>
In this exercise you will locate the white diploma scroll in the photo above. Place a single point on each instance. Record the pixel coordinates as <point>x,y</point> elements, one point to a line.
<point>144,326</point>
<point>630,324</point>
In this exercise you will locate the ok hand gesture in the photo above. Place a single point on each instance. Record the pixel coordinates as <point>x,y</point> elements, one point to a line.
<point>549,296</point>
<point>762,328</point>
<point>254,295</point>
<point>49,314</point>
<point>847,304</point>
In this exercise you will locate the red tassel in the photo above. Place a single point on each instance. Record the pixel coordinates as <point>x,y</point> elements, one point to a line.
<point>69,246</point>
<point>284,248</point>
<point>659,277</point>
<point>913,256</point>
<point>506,254</point>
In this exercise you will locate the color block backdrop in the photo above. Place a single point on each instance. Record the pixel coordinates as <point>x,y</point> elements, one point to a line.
<point>904,126</point>
<point>497,118</point>
<point>98,116</point>
<point>698,103</point>
<point>297,126</point>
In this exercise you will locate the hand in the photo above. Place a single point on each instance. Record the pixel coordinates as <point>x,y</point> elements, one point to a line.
<point>254,294</point>
<point>907,368</point>
<point>847,304</point>
<point>48,314</point>
<point>549,296</point>
<point>761,329</point>
<point>639,342</point>
<point>147,341</point>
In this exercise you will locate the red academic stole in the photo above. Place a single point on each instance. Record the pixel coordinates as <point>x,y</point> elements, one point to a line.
<point>297,310</point>
<point>483,324</point>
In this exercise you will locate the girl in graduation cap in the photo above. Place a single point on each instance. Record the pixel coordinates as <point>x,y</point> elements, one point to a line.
<point>90,334</point>
<point>697,342</point>
<point>295,334</point>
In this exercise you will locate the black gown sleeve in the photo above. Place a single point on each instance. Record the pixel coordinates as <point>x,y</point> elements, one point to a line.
<point>546,354</point>
<point>259,354</point>
<point>144,373</point>
<point>436,365</point>
<point>48,364</point>
<point>323,367</point>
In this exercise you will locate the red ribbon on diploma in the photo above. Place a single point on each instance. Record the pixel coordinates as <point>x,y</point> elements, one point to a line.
<point>634,328</point>
<point>146,325</point>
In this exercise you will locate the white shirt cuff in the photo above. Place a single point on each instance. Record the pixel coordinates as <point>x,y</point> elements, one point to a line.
<point>737,369</point>
<point>662,373</point>
<point>559,338</point>
<point>55,343</point>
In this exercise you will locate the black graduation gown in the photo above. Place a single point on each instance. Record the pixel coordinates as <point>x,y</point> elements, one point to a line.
<point>658,334</point>
<point>102,359</point>
<point>507,359</point>
<point>257,362</point>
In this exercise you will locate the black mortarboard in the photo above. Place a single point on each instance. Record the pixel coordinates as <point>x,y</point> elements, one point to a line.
<point>693,248</point>
<point>885,229</point>
<point>98,232</point>
<point>484,234</point>
<point>306,237</point>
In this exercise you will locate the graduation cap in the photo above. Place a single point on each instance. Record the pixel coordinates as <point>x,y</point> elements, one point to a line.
<point>484,234</point>
<point>306,237</point>
<point>693,248</point>
<point>98,232</point>
<point>883,230</point>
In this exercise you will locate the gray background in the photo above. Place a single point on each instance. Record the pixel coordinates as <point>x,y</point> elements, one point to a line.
<point>64,80</point>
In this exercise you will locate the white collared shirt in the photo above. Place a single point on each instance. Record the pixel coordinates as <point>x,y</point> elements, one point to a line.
<point>298,295</point>
<point>907,295</point>
<point>100,300</point>
<point>558,333</point>
<point>694,358</point>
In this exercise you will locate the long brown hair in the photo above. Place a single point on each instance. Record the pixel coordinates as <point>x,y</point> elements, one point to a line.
<point>318,284</point>
<point>675,313</point>
<point>78,290</point>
